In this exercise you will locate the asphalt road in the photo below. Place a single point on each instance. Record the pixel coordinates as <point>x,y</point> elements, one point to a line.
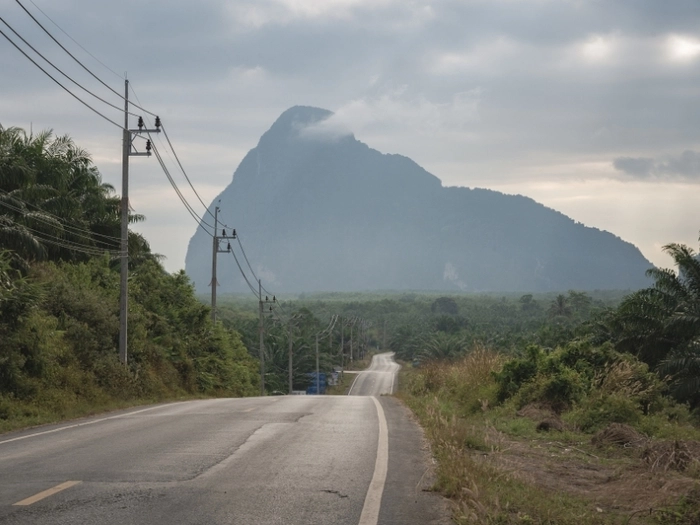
<point>273,460</point>
<point>379,379</point>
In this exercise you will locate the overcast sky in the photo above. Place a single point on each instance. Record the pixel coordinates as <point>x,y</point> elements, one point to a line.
<point>591,107</point>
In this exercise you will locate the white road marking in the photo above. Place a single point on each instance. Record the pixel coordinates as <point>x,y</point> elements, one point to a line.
<point>373,499</point>
<point>84,423</point>
<point>46,493</point>
<point>357,376</point>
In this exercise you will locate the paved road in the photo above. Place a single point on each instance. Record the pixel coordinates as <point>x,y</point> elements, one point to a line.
<point>379,379</point>
<point>274,460</point>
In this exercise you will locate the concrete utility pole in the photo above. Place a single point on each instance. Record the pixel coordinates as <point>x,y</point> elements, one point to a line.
<point>318,378</point>
<point>128,151</point>
<point>352,325</point>
<point>291,378</point>
<point>384,338</point>
<point>216,249</point>
<point>262,342</point>
<point>342,347</point>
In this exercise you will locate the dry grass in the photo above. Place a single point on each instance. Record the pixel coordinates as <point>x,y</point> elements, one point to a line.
<point>496,478</point>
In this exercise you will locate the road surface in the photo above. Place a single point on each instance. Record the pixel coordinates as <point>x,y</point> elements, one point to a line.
<point>269,460</point>
<point>379,379</point>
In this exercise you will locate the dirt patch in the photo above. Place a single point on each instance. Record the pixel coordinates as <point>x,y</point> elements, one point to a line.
<point>622,485</point>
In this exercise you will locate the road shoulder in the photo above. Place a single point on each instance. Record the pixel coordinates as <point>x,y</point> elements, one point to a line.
<point>408,498</point>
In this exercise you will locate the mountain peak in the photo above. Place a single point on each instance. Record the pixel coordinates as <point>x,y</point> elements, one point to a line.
<point>296,118</point>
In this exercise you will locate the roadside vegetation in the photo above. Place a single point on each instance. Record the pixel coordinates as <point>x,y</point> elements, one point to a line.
<point>59,299</point>
<point>599,427</point>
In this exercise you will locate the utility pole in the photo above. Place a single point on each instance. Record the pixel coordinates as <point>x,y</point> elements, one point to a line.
<point>216,249</point>
<point>128,151</point>
<point>342,347</point>
<point>214,257</point>
<point>384,338</point>
<point>291,384</point>
<point>351,327</point>
<point>262,342</point>
<point>318,378</point>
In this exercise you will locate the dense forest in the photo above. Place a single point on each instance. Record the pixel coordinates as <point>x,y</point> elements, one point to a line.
<point>59,298</point>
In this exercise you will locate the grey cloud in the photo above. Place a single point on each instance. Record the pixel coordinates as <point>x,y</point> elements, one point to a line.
<point>685,166</point>
<point>639,167</point>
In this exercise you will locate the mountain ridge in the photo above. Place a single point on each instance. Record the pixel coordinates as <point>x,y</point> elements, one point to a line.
<point>320,210</point>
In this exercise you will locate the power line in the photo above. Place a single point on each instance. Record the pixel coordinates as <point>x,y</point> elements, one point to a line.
<point>59,219</point>
<point>78,61</point>
<point>252,289</point>
<point>61,72</point>
<point>182,198</point>
<point>45,237</point>
<point>76,97</point>
<point>76,42</point>
<point>50,223</point>
<point>183,171</point>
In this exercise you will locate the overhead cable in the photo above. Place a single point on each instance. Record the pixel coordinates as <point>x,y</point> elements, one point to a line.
<point>184,172</point>
<point>75,41</point>
<point>76,97</point>
<point>62,220</point>
<point>182,198</point>
<point>61,72</point>
<point>78,61</point>
<point>50,223</point>
<point>240,269</point>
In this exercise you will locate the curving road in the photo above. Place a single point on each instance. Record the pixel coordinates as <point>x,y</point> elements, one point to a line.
<point>379,379</point>
<point>271,460</point>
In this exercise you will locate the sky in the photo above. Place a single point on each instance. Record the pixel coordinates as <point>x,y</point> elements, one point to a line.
<point>590,107</point>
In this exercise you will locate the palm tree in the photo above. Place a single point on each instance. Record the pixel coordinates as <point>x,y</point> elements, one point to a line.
<point>560,307</point>
<point>53,204</point>
<point>661,324</point>
<point>442,346</point>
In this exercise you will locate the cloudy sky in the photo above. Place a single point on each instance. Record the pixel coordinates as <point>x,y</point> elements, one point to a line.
<point>591,107</point>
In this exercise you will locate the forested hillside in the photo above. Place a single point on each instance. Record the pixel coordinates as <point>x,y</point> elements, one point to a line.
<point>59,298</point>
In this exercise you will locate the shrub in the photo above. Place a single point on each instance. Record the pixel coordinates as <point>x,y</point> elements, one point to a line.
<point>598,411</point>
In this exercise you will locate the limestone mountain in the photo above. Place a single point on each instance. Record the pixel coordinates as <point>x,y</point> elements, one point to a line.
<point>321,211</point>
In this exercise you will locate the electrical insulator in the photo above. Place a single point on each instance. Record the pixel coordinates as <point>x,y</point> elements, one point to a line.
<point>223,233</point>
<point>140,123</point>
<point>266,299</point>
<point>274,299</point>
<point>148,146</point>
<point>229,247</point>
<point>157,122</point>
<point>234,233</point>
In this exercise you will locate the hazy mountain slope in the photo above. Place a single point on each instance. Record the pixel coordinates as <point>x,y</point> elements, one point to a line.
<point>321,212</point>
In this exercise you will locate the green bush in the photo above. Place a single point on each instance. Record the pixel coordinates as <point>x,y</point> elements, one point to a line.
<point>597,412</point>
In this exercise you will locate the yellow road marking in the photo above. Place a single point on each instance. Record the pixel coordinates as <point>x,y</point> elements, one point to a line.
<point>48,492</point>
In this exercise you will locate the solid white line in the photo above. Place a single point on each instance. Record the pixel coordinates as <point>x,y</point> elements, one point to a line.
<point>20,438</point>
<point>357,376</point>
<point>46,493</point>
<point>373,499</point>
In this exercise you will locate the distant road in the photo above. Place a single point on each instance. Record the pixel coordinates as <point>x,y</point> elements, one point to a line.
<point>346,460</point>
<point>379,379</point>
